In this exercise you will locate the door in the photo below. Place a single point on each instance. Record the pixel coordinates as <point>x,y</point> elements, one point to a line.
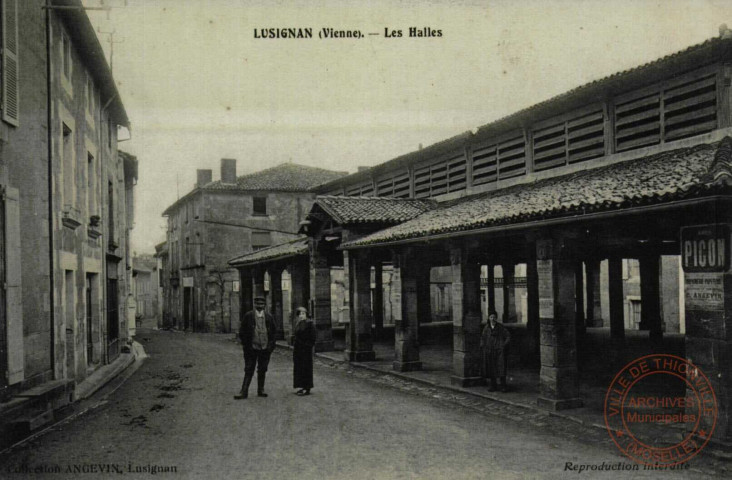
<point>112,319</point>
<point>189,311</point>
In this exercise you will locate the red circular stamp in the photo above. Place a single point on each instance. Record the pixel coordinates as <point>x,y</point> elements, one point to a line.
<point>660,410</point>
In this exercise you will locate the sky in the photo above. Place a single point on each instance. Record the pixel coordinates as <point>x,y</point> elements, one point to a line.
<point>198,86</point>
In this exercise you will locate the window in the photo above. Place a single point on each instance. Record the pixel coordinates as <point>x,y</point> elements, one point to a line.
<point>261,240</point>
<point>260,206</point>
<point>10,89</point>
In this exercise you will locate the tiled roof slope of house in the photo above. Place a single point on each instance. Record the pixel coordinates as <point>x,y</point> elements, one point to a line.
<point>282,250</point>
<point>350,210</point>
<point>709,51</point>
<point>673,175</point>
<point>286,177</point>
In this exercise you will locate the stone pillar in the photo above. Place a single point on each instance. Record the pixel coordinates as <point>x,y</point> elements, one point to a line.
<point>705,254</point>
<point>320,298</point>
<point>404,311</point>
<point>509,294</point>
<point>359,343</point>
<point>378,299</point>
<point>615,294</point>
<point>532,300</point>
<point>650,277</point>
<point>579,298</point>
<point>344,314</point>
<point>466,318</point>
<point>299,292</point>
<point>258,281</point>
<point>424,299</point>
<point>594,303</point>
<point>275,292</point>
<point>491,290</point>
<point>556,274</point>
<point>246,293</point>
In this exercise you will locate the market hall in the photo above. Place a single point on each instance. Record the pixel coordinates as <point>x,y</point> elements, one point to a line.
<point>632,171</point>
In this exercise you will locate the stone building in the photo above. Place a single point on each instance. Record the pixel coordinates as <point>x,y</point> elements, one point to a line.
<point>620,188</point>
<point>144,285</point>
<point>67,206</point>
<point>217,220</point>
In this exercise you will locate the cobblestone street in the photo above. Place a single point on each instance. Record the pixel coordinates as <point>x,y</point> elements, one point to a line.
<point>176,416</point>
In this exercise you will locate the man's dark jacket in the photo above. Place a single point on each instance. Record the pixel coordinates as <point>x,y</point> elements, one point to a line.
<point>246,331</point>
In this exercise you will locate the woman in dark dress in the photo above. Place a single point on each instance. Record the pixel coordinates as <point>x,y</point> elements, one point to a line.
<point>302,356</point>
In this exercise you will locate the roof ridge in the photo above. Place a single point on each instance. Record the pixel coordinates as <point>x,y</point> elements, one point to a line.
<point>261,250</point>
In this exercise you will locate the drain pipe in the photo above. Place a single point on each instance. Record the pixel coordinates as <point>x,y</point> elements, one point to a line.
<point>52,270</point>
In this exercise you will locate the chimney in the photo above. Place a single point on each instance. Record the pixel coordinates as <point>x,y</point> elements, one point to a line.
<point>228,170</point>
<point>724,32</point>
<point>203,177</point>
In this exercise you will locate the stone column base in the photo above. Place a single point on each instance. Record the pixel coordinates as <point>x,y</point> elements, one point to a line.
<point>360,356</point>
<point>467,381</point>
<point>555,405</point>
<point>327,346</point>
<point>407,366</point>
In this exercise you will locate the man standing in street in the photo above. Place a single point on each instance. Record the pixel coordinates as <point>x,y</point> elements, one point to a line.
<point>257,335</point>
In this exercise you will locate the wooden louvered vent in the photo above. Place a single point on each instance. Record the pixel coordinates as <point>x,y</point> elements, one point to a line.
<point>394,186</point>
<point>485,165</point>
<point>422,182</point>
<point>385,187</point>
<point>690,108</point>
<point>668,112</point>
<point>456,173</point>
<point>512,157</point>
<point>574,140</point>
<point>444,176</point>
<point>401,185</point>
<point>365,189</point>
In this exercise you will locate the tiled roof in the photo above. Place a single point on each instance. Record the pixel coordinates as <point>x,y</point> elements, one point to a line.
<point>713,49</point>
<point>350,210</point>
<point>282,250</point>
<point>286,177</point>
<point>667,176</point>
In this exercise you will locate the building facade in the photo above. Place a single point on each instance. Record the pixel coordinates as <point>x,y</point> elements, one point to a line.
<point>218,220</point>
<point>67,202</point>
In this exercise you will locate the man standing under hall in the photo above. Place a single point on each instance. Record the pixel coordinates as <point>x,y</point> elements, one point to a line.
<point>257,335</point>
<point>494,342</point>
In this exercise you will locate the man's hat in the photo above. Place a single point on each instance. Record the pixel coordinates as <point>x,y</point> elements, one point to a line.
<point>259,300</point>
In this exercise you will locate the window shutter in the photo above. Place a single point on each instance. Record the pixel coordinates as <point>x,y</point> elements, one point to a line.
<point>14,303</point>
<point>10,87</point>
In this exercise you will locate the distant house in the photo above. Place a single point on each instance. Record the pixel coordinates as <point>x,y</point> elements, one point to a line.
<point>144,288</point>
<point>219,220</point>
